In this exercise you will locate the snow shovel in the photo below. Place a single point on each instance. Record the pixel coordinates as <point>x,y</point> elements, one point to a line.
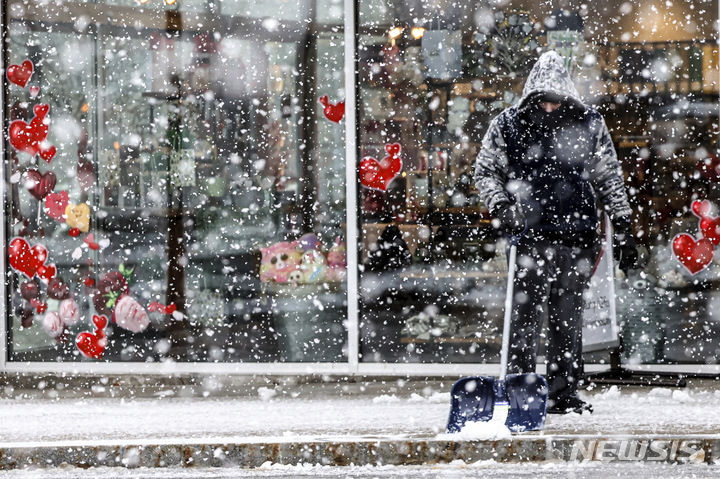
<point>523,397</point>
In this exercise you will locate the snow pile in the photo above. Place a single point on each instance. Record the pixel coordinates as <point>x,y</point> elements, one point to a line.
<point>385,399</point>
<point>660,392</point>
<point>612,393</point>
<point>434,398</point>
<point>439,397</point>
<point>265,394</point>
<point>479,431</point>
<point>679,395</point>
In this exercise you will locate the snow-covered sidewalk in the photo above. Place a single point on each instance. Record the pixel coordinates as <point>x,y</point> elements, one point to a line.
<point>336,424</point>
<point>333,411</point>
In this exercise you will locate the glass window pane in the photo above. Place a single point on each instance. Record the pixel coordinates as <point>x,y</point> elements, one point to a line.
<point>205,185</point>
<point>432,77</point>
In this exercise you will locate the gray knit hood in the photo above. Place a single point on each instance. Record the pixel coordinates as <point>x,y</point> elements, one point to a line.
<point>549,75</point>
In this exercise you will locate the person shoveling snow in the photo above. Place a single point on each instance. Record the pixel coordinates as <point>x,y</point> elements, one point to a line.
<point>543,165</point>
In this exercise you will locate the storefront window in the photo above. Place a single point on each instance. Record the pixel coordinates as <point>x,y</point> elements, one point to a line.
<point>179,167</point>
<point>195,196</point>
<point>433,75</point>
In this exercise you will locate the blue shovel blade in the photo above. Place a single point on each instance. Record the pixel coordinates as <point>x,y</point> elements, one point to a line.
<point>471,400</point>
<point>527,396</point>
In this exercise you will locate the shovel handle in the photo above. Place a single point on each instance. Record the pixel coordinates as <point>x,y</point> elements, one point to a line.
<point>508,311</point>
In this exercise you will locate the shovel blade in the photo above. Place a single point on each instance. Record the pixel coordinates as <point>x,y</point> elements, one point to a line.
<point>527,396</point>
<point>471,400</point>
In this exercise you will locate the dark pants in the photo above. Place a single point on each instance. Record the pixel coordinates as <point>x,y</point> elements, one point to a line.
<point>549,282</point>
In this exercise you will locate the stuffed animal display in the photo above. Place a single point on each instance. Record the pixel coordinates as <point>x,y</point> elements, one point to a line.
<point>337,261</point>
<point>279,261</point>
<point>303,261</point>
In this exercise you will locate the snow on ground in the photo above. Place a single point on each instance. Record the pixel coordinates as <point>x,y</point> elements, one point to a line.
<point>480,431</point>
<point>648,411</point>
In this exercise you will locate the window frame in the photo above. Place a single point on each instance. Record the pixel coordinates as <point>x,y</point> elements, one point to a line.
<point>352,366</point>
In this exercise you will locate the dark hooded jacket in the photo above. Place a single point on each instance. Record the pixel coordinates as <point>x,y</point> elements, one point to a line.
<point>556,165</point>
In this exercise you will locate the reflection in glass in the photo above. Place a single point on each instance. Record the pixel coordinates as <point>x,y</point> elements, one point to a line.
<point>213,181</point>
<point>432,76</point>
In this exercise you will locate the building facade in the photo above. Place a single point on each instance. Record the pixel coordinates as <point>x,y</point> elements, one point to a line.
<point>286,186</point>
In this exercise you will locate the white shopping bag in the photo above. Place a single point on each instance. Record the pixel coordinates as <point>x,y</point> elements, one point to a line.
<point>600,330</point>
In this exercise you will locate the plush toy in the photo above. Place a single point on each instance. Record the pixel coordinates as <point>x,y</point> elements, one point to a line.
<point>308,241</point>
<point>313,266</point>
<point>337,261</point>
<point>279,261</point>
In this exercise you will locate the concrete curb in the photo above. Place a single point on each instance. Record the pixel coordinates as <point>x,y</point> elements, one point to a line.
<point>229,452</point>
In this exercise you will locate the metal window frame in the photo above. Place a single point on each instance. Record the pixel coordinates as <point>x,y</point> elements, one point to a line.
<point>4,28</point>
<point>352,366</point>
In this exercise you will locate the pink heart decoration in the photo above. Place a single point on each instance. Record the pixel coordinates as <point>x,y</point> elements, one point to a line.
<point>55,205</point>
<point>90,241</point>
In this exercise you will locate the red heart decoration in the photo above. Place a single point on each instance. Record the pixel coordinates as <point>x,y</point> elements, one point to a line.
<point>30,261</point>
<point>694,255</point>
<point>100,321</point>
<point>30,138</point>
<point>90,241</point>
<point>377,175</point>
<point>34,91</point>
<point>710,167</point>
<point>93,345</point>
<point>46,272</point>
<point>160,308</point>
<point>40,185</point>
<point>48,153</point>
<point>23,258</point>
<point>38,305</point>
<point>55,204</point>
<point>20,74</point>
<point>332,112</point>
<point>701,208</point>
<point>39,253</point>
<point>710,228</point>
<point>74,232</point>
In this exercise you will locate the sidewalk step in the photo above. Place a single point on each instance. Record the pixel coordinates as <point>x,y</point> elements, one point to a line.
<point>244,452</point>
